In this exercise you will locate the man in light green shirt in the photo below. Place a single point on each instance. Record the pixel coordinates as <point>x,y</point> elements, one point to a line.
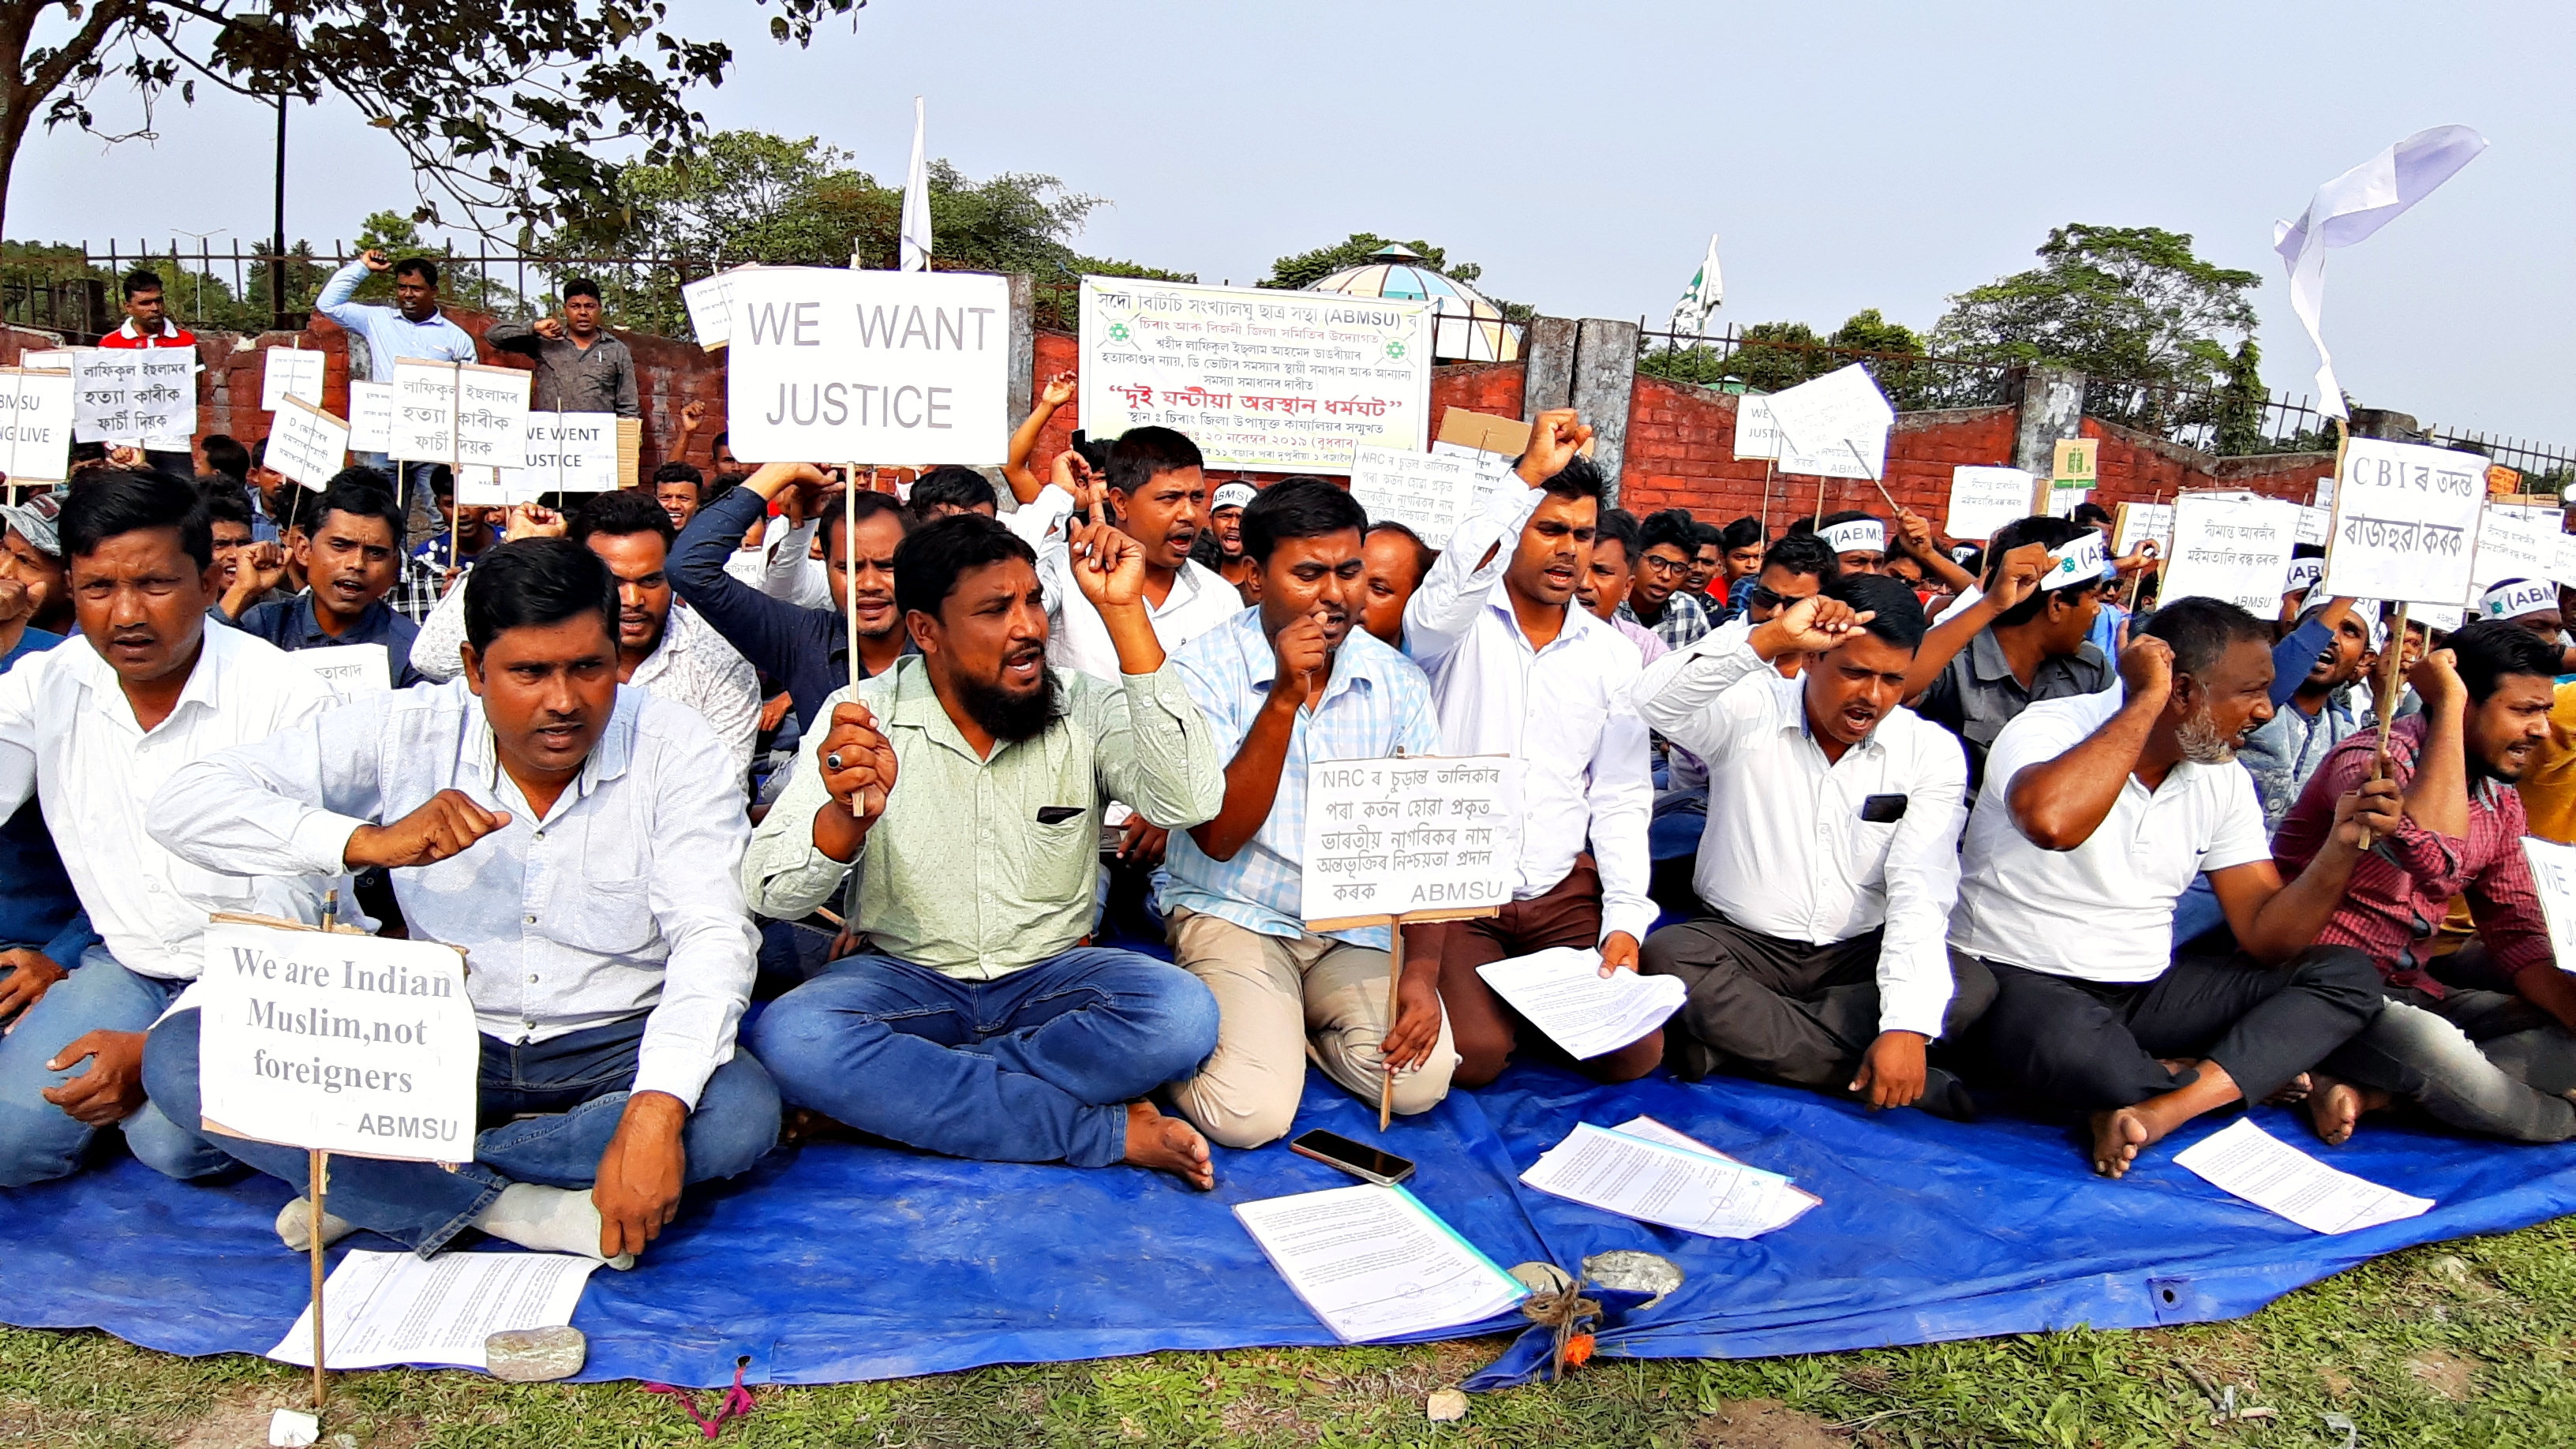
<point>966,785</point>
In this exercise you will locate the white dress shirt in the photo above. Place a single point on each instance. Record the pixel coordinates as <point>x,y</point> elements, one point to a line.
<point>1786,852</point>
<point>1564,711</point>
<point>692,665</point>
<point>2104,910</point>
<point>624,898</point>
<point>783,566</point>
<point>68,735</point>
<point>1077,639</point>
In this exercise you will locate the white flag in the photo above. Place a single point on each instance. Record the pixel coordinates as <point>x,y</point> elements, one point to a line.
<point>1706,290</point>
<point>2350,208</point>
<point>916,203</point>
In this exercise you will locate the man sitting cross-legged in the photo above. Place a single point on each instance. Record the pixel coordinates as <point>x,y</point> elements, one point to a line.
<point>966,785</point>
<point>1285,684</point>
<point>2098,811</point>
<point>580,841</point>
<point>1829,863</point>
<point>2481,1039</point>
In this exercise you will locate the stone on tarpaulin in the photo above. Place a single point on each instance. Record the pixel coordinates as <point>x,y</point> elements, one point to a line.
<point>535,1355</point>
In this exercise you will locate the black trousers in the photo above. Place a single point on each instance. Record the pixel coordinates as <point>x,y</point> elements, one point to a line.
<point>2091,1045</point>
<point>1786,1010</point>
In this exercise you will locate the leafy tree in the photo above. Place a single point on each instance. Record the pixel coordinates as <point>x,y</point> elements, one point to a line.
<point>1305,269</point>
<point>2133,307</point>
<point>502,106</point>
<point>751,197</point>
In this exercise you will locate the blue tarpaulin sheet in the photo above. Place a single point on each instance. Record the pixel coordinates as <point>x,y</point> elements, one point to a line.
<point>838,1261</point>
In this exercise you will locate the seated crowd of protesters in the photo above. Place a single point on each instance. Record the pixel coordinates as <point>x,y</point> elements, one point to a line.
<point>1958,825</point>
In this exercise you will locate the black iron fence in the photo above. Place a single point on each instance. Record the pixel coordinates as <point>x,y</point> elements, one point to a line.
<point>1740,363</point>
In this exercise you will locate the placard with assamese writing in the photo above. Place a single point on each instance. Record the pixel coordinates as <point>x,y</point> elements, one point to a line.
<point>1423,837</point>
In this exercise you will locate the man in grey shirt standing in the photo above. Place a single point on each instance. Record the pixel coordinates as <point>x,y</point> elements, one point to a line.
<point>580,367</point>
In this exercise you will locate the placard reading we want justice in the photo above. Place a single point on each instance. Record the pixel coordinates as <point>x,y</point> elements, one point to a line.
<point>1412,836</point>
<point>831,365</point>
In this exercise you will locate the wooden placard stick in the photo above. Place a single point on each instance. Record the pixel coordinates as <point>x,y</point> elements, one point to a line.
<point>1819,520</point>
<point>1394,982</point>
<point>1766,498</point>
<point>849,544</point>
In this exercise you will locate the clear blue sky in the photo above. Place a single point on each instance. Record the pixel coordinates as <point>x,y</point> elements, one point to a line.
<point>1851,155</point>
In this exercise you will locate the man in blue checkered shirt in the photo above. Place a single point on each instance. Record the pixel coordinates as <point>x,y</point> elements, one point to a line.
<point>1289,682</point>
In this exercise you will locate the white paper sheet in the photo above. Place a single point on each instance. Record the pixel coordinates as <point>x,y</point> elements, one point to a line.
<point>2251,1163</point>
<point>1789,1201</point>
<point>1657,1183</point>
<point>1564,994</point>
<point>371,416</point>
<point>397,1308</point>
<point>1372,1262</point>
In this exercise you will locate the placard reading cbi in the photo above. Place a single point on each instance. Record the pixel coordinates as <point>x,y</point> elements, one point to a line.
<point>894,368</point>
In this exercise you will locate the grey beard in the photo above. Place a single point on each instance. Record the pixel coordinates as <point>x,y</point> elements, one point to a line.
<point>2200,741</point>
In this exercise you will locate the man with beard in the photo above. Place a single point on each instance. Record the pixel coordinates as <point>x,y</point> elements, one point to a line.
<point>580,843</point>
<point>1517,670</point>
<point>805,649</point>
<point>1656,598</point>
<point>1829,864</point>
<point>672,654</point>
<point>351,554</point>
<point>89,730</point>
<point>1284,685</point>
<point>2287,749</point>
<point>963,790</point>
<point>2104,807</point>
<point>2480,1040</point>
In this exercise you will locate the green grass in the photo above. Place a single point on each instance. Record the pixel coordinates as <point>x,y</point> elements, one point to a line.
<point>2461,1343</point>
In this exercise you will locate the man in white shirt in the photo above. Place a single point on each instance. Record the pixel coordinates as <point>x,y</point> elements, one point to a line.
<point>91,729</point>
<point>582,843</point>
<point>1517,670</point>
<point>2098,811</point>
<point>667,652</point>
<point>1830,861</point>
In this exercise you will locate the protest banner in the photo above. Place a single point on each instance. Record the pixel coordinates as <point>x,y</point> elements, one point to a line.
<point>710,304</point>
<point>1408,838</point>
<point>1835,426</point>
<point>2314,524</point>
<point>2513,543</point>
<point>287,372</point>
<point>103,401</point>
<point>2553,878</point>
<point>423,425</point>
<point>566,453</point>
<point>871,366</point>
<point>2232,546</point>
<point>371,416</point>
<point>2562,560</point>
<point>306,444</point>
<point>335,1041</point>
<point>1757,433</point>
<point>491,416</point>
<point>349,670</point>
<point>2138,523</point>
<point>1983,500</point>
<point>2405,523</point>
<point>1426,492</point>
<point>1295,382</point>
<point>36,430</point>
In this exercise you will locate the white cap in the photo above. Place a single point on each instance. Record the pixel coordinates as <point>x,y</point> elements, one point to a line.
<point>1857,535</point>
<point>1231,495</point>
<point>2366,610</point>
<point>2304,573</point>
<point>2076,562</point>
<point>2513,598</point>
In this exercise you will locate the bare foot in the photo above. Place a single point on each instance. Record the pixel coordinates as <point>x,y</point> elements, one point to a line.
<point>2292,1092</point>
<point>2117,1136</point>
<point>2333,1110</point>
<point>1168,1144</point>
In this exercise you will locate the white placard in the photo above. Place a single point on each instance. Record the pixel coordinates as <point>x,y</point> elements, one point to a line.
<point>287,372</point>
<point>165,397</point>
<point>306,444</point>
<point>1985,499</point>
<point>1757,433</point>
<point>2324,494</point>
<point>2562,560</point>
<point>566,453</point>
<point>401,1308</point>
<point>349,670</point>
<point>2313,525</point>
<point>491,416</point>
<point>422,427</point>
<point>2231,546</point>
<point>103,396</point>
<point>36,431</point>
<point>2244,1160</point>
<point>1407,835</point>
<point>824,363</point>
<point>1294,382</point>
<point>2513,543</point>
<point>710,304</point>
<point>2553,877</point>
<point>1429,493</point>
<point>346,1043</point>
<point>492,488</point>
<point>2406,520</point>
<point>2143,523</point>
<point>1835,426</point>
<point>1372,1262</point>
<point>371,416</point>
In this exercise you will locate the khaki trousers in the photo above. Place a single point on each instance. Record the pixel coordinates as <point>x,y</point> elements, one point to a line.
<point>1281,1001</point>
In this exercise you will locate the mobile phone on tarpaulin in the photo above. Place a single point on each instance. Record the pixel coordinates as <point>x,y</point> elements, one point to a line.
<point>1360,1160</point>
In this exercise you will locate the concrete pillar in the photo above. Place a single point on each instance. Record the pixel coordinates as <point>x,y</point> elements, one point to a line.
<point>2386,425</point>
<point>1605,376</point>
<point>2052,409</point>
<point>1547,366</point>
<point>1024,346</point>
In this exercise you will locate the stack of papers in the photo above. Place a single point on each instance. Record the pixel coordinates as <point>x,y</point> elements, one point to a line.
<point>399,1308</point>
<point>1372,1262</point>
<point>2253,1164</point>
<point>1643,1169</point>
<point>1564,994</point>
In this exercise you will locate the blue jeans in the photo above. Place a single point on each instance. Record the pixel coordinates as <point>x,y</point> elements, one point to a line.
<point>1037,1066</point>
<point>39,1140</point>
<point>575,1084</point>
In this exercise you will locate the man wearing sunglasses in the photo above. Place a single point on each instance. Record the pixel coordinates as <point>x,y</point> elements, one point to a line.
<point>1800,566</point>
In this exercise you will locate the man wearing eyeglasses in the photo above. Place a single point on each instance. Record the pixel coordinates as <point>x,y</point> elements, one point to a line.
<point>1658,596</point>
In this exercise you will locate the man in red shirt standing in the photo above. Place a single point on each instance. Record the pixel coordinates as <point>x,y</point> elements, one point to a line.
<point>146,325</point>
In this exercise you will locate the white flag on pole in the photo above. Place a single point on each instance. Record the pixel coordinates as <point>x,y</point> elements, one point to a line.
<point>1701,298</point>
<point>2349,209</point>
<point>916,203</point>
